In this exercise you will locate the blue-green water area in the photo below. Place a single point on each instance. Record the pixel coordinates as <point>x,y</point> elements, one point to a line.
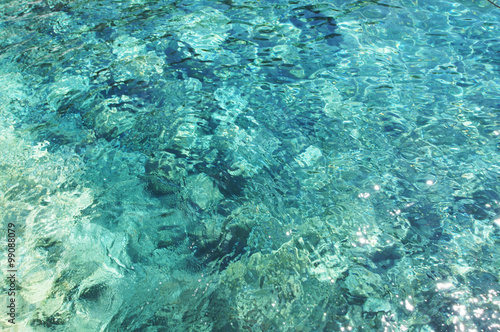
<point>250,165</point>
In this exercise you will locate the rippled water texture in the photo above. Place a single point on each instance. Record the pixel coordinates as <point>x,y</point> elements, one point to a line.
<point>252,165</point>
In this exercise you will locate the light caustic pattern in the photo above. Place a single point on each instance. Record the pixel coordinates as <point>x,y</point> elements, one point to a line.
<point>252,166</point>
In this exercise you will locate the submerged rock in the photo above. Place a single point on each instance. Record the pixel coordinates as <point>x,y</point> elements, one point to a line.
<point>314,23</point>
<point>375,304</point>
<point>202,191</point>
<point>165,174</point>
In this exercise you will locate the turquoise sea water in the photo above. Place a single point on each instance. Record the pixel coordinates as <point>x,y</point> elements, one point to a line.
<point>251,165</point>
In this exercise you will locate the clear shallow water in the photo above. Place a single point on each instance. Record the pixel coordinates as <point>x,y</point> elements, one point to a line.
<point>252,166</point>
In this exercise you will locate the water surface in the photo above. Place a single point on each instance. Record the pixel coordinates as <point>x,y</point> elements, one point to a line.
<point>252,165</point>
